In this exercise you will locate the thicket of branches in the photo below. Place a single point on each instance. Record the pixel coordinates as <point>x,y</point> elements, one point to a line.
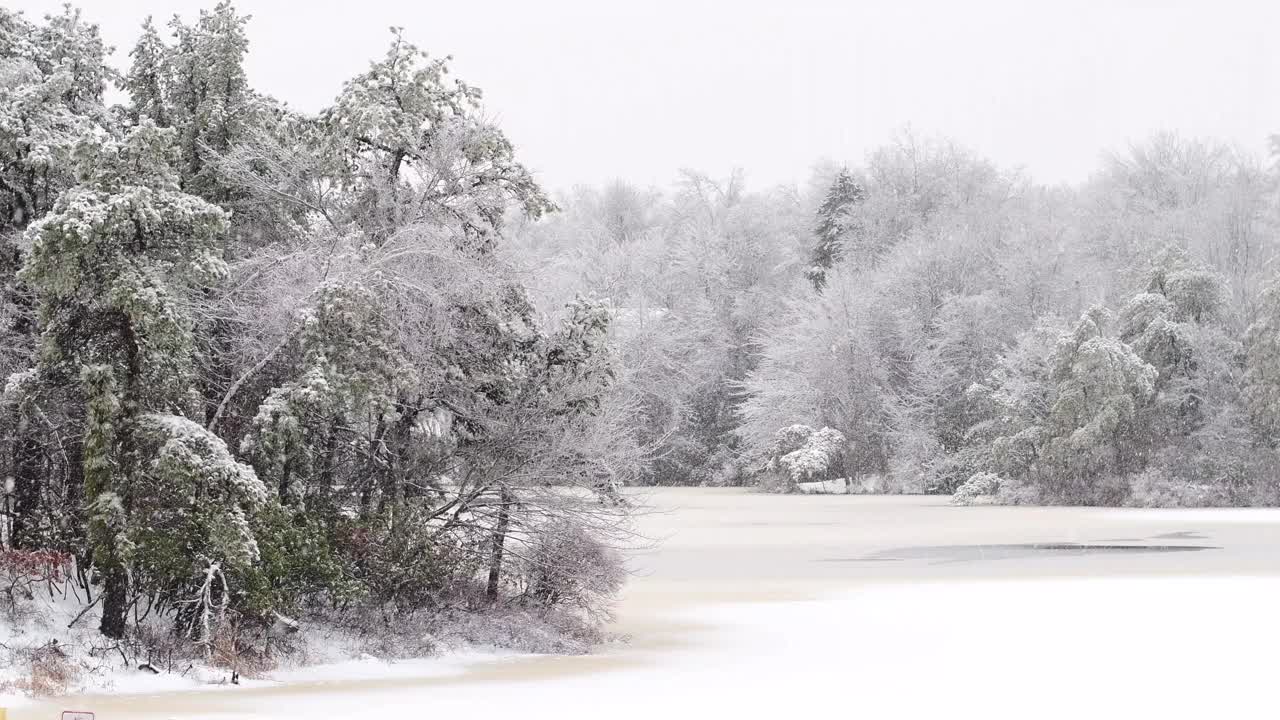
<point>1111,343</point>
<point>261,363</point>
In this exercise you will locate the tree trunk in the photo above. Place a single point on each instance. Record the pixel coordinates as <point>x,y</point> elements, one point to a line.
<point>328,475</point>
<point>115,577</point>
<point>24,446</point>
<point>285,473</point>
<point>499,539</point>
<point>75,486</point>
<point>115,602</point>
<point>26,484</point>
<point>396,442</point>
<point>217,378</point>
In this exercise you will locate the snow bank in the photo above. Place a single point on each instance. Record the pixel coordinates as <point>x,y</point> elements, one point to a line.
<point>322,655</point>
<point>61,621</point>
<point>824,487</point>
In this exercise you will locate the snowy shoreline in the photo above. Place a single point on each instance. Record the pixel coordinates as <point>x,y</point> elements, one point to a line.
<point>728,617</point>
<point>62,632</point>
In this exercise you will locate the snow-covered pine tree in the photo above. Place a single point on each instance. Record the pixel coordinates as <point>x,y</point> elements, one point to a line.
<point>208,95</point>
<point>147,80</point>
<point>112,267</point>
<point>197,85</point>
<point>1193,434</point>
<point>1100,385</point>
<point>54,76</point>
<point>1182,300</point>
<point>417,404</point>
<point>837,220</point>
<point>346,384</point>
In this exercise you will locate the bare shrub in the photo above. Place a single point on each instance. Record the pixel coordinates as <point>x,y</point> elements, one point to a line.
<point>22,571</point>
<point>49,671</point>
<point>523,629</point>
<point>236,647</point>
<point>567,567</point>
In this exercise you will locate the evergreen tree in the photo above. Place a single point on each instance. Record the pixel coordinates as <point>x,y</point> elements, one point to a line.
<point>1100,386</point>
<point>113,266</point>
<point>50,98</point>
<point>837,222</point>
<point>208,95</point>
<point>147,81</point>
<point>1181,301</point>
<point>346,386</point>
<point>52,79</point>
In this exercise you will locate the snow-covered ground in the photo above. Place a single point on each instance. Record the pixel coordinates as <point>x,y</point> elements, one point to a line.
<point>864,607</point>
<point>329,655</point>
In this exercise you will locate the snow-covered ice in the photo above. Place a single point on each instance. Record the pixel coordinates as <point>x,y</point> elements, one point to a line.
<point>994,649</point>
<point>793,618</point>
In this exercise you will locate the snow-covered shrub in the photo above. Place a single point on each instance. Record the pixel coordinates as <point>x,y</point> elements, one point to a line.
<point>730,471</point>
<point>529,629</point>
<point>814,458</point>
<point>799,454</point>
<point>17,384</point>
<point>983,484</point>
<point>790,439</point>
<point>870,484</point>
<point>569,568</point>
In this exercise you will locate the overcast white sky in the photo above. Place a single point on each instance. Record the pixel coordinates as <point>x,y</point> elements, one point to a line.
<point>591,90</point>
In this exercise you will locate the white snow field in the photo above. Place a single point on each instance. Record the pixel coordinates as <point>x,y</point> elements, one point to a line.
<point>854,606</point>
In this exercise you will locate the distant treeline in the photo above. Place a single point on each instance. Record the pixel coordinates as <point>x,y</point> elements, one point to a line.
<point>1117,342</point>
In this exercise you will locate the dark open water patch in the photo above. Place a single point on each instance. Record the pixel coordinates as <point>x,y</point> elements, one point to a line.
<point>1181,535</point>
<point>975,553</point>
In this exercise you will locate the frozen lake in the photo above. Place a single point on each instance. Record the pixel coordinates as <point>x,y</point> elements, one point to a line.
<point>773,606</point>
